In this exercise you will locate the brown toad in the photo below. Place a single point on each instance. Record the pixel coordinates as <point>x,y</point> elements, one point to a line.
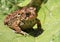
<point>22,19</point>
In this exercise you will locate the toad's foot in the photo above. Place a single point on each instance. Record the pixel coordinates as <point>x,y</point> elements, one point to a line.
<point>23,33</point>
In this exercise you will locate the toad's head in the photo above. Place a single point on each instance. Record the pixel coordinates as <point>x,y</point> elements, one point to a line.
<point>28,13</point>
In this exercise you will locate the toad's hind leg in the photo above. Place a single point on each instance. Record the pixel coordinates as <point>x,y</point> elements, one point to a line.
<point>17,28</point>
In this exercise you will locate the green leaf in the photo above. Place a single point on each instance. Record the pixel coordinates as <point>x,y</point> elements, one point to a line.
<point>50,19</point>
<point>24,3</point>
<point>49,15</point>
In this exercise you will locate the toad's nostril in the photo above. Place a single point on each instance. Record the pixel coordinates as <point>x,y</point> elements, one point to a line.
<point>27,14</point>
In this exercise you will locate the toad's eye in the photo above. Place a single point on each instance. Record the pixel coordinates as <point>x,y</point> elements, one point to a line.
<point>27,14</point>
<point>19,14</point>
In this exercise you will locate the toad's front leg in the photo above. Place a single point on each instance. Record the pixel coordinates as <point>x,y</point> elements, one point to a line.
<point>39,25</point>
<point>17,28</point>
<point>39,29</point>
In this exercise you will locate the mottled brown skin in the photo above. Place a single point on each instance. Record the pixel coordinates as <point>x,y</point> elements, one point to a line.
<point>22,19</point>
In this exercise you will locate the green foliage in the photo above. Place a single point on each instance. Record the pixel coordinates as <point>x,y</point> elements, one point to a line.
<point>49,15</point>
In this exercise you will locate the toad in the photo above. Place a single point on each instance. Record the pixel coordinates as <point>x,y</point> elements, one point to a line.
<point>22,19</point>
